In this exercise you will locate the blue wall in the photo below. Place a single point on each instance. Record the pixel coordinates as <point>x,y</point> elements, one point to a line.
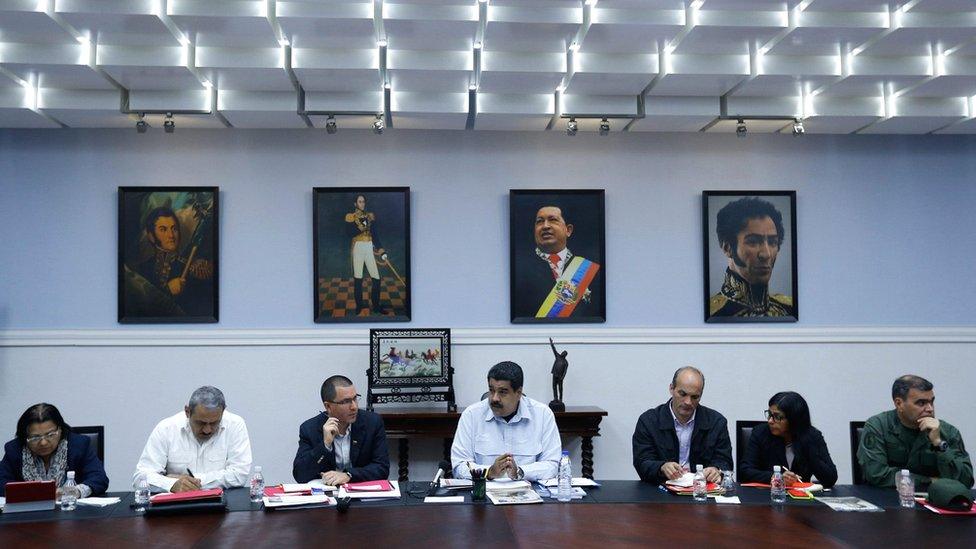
<point>886,235</point>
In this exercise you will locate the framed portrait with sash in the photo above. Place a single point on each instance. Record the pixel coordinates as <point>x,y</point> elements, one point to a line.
<point>558,256</point>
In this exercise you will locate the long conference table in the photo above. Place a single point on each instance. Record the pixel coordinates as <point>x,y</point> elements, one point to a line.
<point>619,513</point>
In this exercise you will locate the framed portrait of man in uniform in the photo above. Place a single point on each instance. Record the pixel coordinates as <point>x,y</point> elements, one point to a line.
<point>558,256</point>
<point>750,256</point>
<point>361,240</point>
<point>168,254</point>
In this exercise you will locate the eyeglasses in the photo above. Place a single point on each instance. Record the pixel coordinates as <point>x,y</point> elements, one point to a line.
<point>47,436</point>
<point>775,416</point>
<point>347,402</point>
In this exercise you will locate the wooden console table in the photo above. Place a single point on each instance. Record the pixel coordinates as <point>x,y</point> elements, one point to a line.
<point>406,423</point>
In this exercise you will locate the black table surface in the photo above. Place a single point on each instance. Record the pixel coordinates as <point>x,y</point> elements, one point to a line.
<point>609,492</point>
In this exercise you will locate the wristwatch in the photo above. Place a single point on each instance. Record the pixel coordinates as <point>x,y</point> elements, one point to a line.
<point>940,447</point>
<point>520,474</point>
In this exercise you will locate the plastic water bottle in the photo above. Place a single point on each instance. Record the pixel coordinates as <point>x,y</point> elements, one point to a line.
<point>777,489</point>
<point>906,489</point>
<point>564,492</point>
<point>257,485</point>
<point>700,485</point>
<point>69,493</point>
<point>141,494</point>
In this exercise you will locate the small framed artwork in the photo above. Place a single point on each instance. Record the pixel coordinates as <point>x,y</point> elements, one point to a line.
<point>168,260</point>
<point>749,249</point>
<point>558,256</point>
<point>410,366</point>
<point>361,240</point>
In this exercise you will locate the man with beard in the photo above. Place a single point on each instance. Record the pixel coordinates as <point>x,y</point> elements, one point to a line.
<point>750,231</point>
<point>556,283</point>
<point>167,270</point>
<point>343,443</point>
<point>681,433</point>
<point>508,434</point>
<point>910,437</point>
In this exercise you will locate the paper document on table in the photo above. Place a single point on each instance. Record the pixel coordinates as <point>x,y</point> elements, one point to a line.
<point>393,493</point>
<point>99,502</point>
<point>850,504</point>
<point>686,480</point>
<point>456,483</point>
<point>3,501</point>
<point>444,499</point>
<point>577,481</point>
<point>514,497</point>
<point>576,493</point>
<point>504,485</point>
<point>734,500</point>
<point>274,502</point>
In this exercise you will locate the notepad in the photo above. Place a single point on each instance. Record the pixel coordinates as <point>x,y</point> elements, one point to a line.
<point>444,499</point>
<point>577,481</point>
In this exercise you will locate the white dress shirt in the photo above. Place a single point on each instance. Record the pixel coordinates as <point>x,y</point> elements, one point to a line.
<point>340,448</point>
<point>684,432</point>
<point>531,437</point>
<point>223,460</point>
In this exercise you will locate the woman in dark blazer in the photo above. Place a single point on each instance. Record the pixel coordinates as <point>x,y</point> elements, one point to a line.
<point>45,449</point>
<point>789,440</point>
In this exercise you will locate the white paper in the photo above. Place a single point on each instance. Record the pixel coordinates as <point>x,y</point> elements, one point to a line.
<point>456,483</point>
<point>288,501</point>
<point>99,502</point>
<point>577,493</point>
<point>734,500</point>
<point>504,485</point>
<point>686,480</point>
<point>318,484</point>
<point>3,501</point>
<point>580,481</point>
<point>444,499</point>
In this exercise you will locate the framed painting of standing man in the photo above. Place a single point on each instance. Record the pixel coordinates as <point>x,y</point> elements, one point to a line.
<point>168,254</point>
<point>558,251</point>
<point>749,242</point>
<point>361,254</point>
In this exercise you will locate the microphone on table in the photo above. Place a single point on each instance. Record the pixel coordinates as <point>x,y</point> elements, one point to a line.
<point>443,469</point>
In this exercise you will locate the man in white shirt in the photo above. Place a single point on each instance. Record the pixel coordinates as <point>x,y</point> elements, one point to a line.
<point>204,446</point>
<point>508,434</point>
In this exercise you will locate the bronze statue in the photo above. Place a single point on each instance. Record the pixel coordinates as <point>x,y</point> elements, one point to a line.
<point>559,367</point>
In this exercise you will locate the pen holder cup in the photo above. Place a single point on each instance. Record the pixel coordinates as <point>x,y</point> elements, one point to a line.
<point>478,489</point>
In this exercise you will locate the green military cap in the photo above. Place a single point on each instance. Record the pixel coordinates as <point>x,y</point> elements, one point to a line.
<point>946,493</point>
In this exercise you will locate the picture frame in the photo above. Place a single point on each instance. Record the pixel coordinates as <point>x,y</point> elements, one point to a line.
<point>373,243</point>
<point>168,255</point>
<point>745,236</point>
<point>558,268</point>
<point>410,365</point>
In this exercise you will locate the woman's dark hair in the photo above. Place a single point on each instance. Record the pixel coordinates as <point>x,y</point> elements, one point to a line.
<point>39,413</point>
<point>795,408</point>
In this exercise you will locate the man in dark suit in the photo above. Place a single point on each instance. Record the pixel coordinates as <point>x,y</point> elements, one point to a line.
<point>343,443</point>
<point>681,433</point>
<point>552,266</point>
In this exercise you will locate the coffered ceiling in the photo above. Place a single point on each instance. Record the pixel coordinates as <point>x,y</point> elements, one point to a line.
<point>841,66</point>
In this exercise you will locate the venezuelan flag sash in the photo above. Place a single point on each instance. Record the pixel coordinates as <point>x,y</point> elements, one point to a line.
<point>569,288</point>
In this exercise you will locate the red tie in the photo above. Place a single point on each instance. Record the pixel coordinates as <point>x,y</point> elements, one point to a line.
<point>554,260</point>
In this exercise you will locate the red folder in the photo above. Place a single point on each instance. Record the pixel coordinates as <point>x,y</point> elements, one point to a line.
<point>24,492</point>
<point>192,495</point>
<point>369,486</point>
<point>684,490</point>
<point>278,490</point>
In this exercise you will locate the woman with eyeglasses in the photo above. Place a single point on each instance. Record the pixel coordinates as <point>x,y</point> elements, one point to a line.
<point>46,449</point>
<point>789,440</point>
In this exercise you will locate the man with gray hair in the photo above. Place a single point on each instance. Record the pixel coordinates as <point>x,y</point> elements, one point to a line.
<point>204,446</point>
<point>910,437</point>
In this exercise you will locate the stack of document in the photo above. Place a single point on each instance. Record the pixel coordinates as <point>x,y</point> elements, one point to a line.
<point>511,492</point>
<point>315,487</point>
<point>684,485</point>
<point>373,489</point>
<point>576,493</point>
<point>577,481</point>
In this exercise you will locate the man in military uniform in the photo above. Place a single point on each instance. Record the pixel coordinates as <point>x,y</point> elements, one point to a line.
<point>365,246</point>
<point>750,232</point>
<point>556,283</point>
<point>911,437</point>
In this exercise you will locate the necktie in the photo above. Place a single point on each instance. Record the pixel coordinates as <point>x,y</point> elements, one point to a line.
<point>554,263</point>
